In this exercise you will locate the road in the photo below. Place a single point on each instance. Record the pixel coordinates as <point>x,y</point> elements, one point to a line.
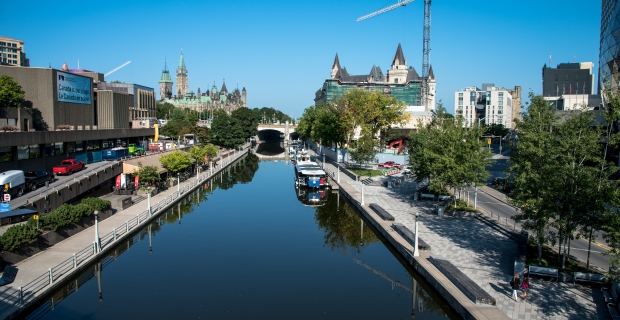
<point>29,196</point>
<point>578,247</point>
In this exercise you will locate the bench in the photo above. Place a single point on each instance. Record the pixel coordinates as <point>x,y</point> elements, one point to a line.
<point>427,196</point>
<point>10,272</point>
<point>381,212</point>
<point>442,198</point>
<point>469,288</point>
<point>409,236</point>
<point>589,277</point>
<point>542,271</point>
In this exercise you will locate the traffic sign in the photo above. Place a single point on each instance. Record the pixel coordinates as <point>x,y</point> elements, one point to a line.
<point>488,140</point>
<point>35,216</point>
<point>5,207</point>
<point>7,197</point>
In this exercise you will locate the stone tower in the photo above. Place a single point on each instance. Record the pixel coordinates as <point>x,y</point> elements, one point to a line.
<point>165,84</point>
<point>398,73</point>
<point>243,97</point>
<point>182,86</point>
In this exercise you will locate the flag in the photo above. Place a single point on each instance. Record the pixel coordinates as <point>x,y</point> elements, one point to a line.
<point>564,89</point>
<point>570,88</point>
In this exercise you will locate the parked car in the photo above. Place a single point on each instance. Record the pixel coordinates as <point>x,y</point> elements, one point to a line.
<point>390,164</point>
<point>13,182</point>
<point>68,166</point>
<point>37,178</point>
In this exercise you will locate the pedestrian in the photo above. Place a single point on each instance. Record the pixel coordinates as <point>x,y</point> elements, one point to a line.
<point>515,283</point>
<point>525,285</point>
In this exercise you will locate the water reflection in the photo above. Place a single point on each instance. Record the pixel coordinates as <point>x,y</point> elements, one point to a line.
<point>312,197</point>
<point>343,227</point>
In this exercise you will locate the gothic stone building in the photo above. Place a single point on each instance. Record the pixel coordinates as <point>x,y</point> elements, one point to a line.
<point>211,100</point>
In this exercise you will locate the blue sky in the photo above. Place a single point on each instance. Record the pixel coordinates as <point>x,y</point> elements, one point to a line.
<point>282,51</point>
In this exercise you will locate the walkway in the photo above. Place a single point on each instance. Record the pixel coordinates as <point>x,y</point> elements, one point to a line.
<point>484,255</point>
<point>37,267</point>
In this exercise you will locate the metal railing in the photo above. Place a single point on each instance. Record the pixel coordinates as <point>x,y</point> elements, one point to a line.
<point>11,297</point>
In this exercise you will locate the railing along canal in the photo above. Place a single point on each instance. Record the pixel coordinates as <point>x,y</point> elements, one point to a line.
<point>11,297</point>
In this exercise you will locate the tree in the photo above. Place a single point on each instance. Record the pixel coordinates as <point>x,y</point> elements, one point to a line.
<point>448,154</point>
<point>306,123</point>
<point>496,129</point>
<point>149,175</point>
<point>210,151</point>
<point>247,123</point>
<point>176,161</point>
<point>11,93</point>
<point>163,109</point>
<point>198,154</point>
<point>363,150</point>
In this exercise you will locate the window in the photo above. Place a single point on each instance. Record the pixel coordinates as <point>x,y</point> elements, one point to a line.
<point>108,144</point>
<point>28,152</point>
<point>79,146</point>
<point>396,80</point>
<point>71,147</point>
<point>5,154</point>
<point>566,78</point>
<point>557,77</point>
<point>577,77</point>
<point>92,145</point>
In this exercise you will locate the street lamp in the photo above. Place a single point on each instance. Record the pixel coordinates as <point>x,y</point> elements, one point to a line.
<point>480,119</point>
<point>416,252</point>
<point>97,239</point>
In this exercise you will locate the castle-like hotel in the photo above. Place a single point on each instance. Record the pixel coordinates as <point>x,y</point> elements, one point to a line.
<point>210,100</point>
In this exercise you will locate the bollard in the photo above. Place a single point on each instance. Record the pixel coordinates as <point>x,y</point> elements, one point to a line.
<point>74,261</point>
<point>94,247</point>
<point>137,219</point>
<point>114,234</point>
<point>50,275</point>
<point>21,296</point>
<point>126,226</point>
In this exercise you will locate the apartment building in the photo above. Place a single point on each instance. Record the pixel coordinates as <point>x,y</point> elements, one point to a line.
<point>12,52</point>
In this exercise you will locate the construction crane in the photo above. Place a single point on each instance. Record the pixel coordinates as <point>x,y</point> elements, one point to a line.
<point>116,69</point>
<point>426,40</point>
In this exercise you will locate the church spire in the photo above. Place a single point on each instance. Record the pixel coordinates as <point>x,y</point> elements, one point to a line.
<point>399,57</point>
<point>182,62</point>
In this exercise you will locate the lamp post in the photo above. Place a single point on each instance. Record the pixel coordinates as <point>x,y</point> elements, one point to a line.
<point>416,252</point>
<point>97,240</point>
<point>362,194</point>
<point>148,192</point>
<point>179,184</point>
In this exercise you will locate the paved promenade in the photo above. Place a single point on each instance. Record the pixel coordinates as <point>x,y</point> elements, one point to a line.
<point>39,264</point>
<point>484,255</point>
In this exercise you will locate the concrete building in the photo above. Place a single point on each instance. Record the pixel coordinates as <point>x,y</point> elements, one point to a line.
<point>609,55</point>
<point>12,52</point>
<point>568,78</point>
<point>402,82</point>
<point>575,101</point>
<point>62,118</point>
<point>208,101</point>
<point>489,105</point>
<point>143,98</point>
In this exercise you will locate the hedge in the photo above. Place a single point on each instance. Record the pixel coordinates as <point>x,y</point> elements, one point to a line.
<point>64,215</point>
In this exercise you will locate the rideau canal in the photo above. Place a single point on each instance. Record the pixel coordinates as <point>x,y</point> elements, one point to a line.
<point>247,246</point>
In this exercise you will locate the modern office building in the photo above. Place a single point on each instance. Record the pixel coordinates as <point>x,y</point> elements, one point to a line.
<point>143,98</point>
<point>568,78</point>
<point>488,105</point>
<point>402,82</point>
<point>609,55</point>
<point>61,118</point>
<point>12,52</point>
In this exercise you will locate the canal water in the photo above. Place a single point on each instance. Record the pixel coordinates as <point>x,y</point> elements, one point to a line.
<point>248,245</point>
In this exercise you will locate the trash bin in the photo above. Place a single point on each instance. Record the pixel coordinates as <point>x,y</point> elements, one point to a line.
<point>440,211</point>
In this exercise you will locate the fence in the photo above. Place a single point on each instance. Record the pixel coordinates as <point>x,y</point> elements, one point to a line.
<point>19,297</point>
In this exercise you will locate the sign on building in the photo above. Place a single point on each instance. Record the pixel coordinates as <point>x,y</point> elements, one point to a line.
<point>73,88</point>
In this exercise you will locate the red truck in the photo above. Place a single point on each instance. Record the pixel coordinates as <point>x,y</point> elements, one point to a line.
<point>68,167</point>
<point>390,164</point>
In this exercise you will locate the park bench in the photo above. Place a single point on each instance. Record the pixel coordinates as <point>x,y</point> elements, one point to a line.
<point>381,212</point>
<point>429,196</point>
<point>542,271</point>
<point>469,288</point>
<point>9,274</point>
<point>442,198</point>
<point>409,236</point>
<point>589,277</point>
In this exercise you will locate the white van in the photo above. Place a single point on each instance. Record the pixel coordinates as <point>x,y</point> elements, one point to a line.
<point>14,181</point>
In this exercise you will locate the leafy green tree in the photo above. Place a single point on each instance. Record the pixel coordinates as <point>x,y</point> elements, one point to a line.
<point>229,131</point>
<point>210,151</point>
<point>198,154</point>
<point>149,175</point>
<point>163,109</point>
<point>448,154</point>
<point>175,161</point>
<point>306,123</point>
<point>364,149</point>
<point>11,93</point>
<point>497,129</point>
<point>246,122</point>
<point>172,129</point>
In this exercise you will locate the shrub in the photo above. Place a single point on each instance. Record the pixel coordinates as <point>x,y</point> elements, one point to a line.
<point>96,204</point>
<point>16,235</point>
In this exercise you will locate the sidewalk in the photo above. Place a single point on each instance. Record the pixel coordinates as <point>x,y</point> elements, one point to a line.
<point>484,255</point>
<point>34,267</point>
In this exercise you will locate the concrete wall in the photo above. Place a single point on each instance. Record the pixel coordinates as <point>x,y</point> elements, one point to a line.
<point>39,85</point>
<point>113,109</point>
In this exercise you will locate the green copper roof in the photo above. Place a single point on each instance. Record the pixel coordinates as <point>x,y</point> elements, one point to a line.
<point>165,77</point>
<point>182,62</point>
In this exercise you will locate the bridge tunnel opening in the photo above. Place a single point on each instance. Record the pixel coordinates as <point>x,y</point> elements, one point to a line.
<point>270,135</point>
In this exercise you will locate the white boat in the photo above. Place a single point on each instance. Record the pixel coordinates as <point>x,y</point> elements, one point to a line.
<point>310,175</point>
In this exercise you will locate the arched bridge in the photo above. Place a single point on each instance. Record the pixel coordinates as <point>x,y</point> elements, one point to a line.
<point>277,132</point>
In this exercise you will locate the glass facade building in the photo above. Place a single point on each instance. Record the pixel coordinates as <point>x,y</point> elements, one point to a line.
<point>609,59</point>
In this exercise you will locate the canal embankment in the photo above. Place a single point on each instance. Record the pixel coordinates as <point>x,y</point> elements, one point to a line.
<point>50,269</point>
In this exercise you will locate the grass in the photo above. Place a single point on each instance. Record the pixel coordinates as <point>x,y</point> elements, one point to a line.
<point>461,205</point>
<point>550,259</point>
<point>366,172</point>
